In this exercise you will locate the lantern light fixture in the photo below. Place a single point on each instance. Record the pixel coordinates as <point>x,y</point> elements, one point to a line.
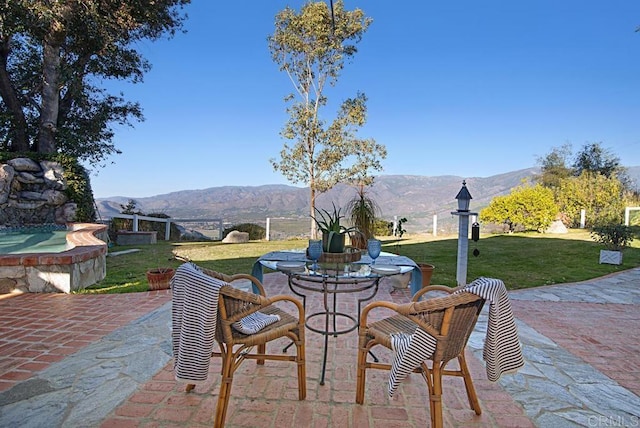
<point>464,198</point>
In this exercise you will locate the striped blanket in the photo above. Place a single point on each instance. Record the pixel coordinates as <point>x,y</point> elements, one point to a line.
<point>502,352</point>
<point>255,322</point>
<point>194,314</point>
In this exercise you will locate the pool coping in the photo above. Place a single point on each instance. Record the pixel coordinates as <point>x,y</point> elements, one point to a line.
<point>76,268</point>
<point>82,237</point>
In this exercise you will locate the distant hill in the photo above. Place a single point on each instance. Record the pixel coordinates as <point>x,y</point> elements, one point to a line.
<point>415,197</point>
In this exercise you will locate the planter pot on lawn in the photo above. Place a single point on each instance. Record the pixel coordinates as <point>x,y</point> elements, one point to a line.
<point>611,257</point>
<point>427,271</point>
<point>159,278</point>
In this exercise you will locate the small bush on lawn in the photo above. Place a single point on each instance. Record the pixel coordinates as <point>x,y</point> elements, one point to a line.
<point>615,237</point>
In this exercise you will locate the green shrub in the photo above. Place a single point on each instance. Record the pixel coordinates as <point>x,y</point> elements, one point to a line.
<point>78,188</point>
<point>382,228</point>
<point>614,237</point>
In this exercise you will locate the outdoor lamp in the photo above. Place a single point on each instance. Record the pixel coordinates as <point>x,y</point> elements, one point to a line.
<point>464,198</point>
<point>463,213</point>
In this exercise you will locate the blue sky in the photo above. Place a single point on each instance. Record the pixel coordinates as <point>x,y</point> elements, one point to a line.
<point>460,87</point>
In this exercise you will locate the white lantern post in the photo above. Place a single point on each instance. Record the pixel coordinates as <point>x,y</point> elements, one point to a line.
<point>463,213</point>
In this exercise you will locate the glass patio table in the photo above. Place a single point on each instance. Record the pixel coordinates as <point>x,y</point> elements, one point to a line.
<point>406,264</point>
<point>333,280</point>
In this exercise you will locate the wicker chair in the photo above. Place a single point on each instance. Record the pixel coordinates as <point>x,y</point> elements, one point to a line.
<point>235,347</point>
<point>449,319</point>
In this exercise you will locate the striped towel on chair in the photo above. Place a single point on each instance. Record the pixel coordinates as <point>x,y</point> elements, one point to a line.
<point>193,315</point>
<point>409,351</point>
<point>501,352</point>
<point>255,322</point>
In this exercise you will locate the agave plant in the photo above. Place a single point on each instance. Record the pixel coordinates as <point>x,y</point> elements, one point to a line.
<point>329,224</point>
<point>328,221</point>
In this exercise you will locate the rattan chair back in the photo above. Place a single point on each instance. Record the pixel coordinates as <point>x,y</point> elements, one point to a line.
<point>235,346</point>
<point>449,319</point>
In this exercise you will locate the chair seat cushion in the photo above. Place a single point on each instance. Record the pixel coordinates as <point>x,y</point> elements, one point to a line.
<point>273,331</point>
<point>255,322</point>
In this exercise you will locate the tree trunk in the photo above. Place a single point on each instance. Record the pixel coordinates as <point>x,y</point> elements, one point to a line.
<point>50,90</point>
<point>18,133</point>
<point>312,199</point>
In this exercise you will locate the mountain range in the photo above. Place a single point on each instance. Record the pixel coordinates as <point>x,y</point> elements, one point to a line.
<point>418,198</point>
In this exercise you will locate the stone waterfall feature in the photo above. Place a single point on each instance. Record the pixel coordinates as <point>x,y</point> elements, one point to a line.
<point>32,193</point>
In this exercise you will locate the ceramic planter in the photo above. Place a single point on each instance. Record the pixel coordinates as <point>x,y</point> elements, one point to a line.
<point>333,242</point>
<point>427,272</point>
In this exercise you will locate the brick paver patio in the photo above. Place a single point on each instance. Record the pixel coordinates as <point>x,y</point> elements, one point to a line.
<point>38,330</point>
<point>267,396</point>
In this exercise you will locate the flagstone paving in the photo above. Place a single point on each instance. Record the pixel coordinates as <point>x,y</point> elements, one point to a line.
<point>105,361</point>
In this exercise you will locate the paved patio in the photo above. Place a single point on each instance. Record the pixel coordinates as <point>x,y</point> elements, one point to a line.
<point>104,361</point>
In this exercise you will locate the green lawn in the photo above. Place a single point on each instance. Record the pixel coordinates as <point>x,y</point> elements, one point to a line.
<point>520,260</point>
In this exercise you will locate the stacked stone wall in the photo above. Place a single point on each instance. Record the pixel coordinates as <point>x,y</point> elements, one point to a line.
<point>33,193</point>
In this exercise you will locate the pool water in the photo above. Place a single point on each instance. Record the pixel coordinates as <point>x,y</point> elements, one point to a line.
<point>53,241</point>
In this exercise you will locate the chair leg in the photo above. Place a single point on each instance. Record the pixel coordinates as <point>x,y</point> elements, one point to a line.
<point>262,349</point>
<point>435,398</point>
<point>468,384</point>
<point>361,374</point>
<point>302,373</point>
<point>427,374</point>
<point>225,389</point>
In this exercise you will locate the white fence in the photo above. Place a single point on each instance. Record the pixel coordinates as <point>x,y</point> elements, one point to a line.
<point>218,228</point>
<point>281,228</point>
<point>276,228</point>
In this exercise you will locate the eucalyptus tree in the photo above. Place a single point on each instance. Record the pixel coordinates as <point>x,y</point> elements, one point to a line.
<point>312,47</point>
<point>53,57</point>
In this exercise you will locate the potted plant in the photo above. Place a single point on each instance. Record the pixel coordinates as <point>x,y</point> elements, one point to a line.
<point>333,233</point>
<point>426,269</point>
<point>159,278</point>
<point>362,211</point>
<point>615,238</point>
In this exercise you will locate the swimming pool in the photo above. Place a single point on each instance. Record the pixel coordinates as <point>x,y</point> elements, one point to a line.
<point>82,262</point>
<point>34,240</point>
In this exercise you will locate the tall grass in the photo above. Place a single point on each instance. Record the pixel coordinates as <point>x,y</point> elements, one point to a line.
<point>520,260</point>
